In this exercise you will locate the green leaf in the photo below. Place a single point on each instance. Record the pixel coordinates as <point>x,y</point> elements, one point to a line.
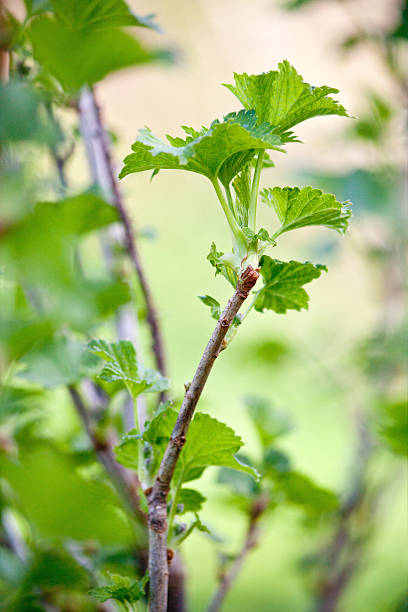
<point>394,427</point>
<point>20,115</point>
<point>50,490</point>
<point>35,7</point>
<point>191,500</point>
<point>243,485</point>
<point>269,423</point>
<point>55,568</point>
<point>77,14</point>
<point>61,361</point>
<point>281,98</point>
<point>283,284</point>
<point>93,52</point>
<point>302,491</point>
<point>122,366</point>
<point>215,307</point>
<point>127,452</point>
<point>209,442</point>
<point>227,265</point>
<point>16,400</point>
<point>123,589</point>
<point>206,152</point>
<point>301,207</point>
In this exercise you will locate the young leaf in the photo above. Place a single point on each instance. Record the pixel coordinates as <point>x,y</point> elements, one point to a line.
<point>191,500</point>
<point>122,589</point>
<point>209,442</point>
<point>282,98</point>
<point>242,187</point>
<point>204,153</point>
<point>16,400</point>
<point>301,207</point>
<point>122,366</point>
<point>215,307</point>
<point>226,265</point>
<point>283,284</point>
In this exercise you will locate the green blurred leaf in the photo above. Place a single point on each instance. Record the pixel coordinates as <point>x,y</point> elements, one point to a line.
<point>269,423</point>
<point>55,568</point>
<point>283,284</point>
<point>303,492</point>
<point>63,361</point>
<point>77,14</point>
<point>123,589</point>
<point>281,98</point>
<point>16,400</point>
<point>122,366</point>
<point>215,307</point>
<point>296,208</point>
<point>191,500</point>
<point>35,7</point>
<point>20,115</point>
<point>93,52</point>
<point>242,485</point>
<point>204,153</point>
<point>394,427</point>
<point>59,501</point>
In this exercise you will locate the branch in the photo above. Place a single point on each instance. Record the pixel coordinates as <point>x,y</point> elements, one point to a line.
<point>251,540</point>
<point>102,170</point>
<point>157,496</point>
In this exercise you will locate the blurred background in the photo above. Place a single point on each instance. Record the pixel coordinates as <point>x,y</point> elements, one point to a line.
<point>338,369</point>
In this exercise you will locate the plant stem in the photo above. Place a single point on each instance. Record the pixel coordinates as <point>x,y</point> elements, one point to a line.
<point>100,161</point>
<point>157,496</point>
<point>254,192</point>
<point>230,201</point>
<point>238,236</point>
<point>174,507</point>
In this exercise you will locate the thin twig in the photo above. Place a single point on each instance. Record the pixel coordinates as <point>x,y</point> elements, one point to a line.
<point>250,542</point>
<point>157,496</point>
<point>98,150</point>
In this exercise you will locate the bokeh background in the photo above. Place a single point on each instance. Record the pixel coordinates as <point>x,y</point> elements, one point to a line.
<point>312,364</point>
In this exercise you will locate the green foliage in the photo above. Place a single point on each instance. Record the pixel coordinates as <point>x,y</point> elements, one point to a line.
<point>16,400</point>
<point>50,490</point>
<point>190,500</point>
<point>78,15</point>
<point>106,50</point>
<point>122,589</point>
<point>281,98</point>
<point>283,284</point>
<point>268,422</point>
<point>209,442</point>
<point>215,309</point>
<point>207,152</point>
<point>296,208</point>
<point>394,426</point>
<point>61,361</point>
<point>224,264</point>
<point>122,366</point>
<point>301,491</point>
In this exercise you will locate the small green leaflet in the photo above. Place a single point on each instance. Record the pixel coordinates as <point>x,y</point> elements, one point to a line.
<point>227,265</point>
<point>283,284</point>
<point>215,308</point>
<point>191,500</point>
<point>122,366</point>
<point>203,152</point>
<point>281,98</point>
<point>301,207</point>
<point>123,589</point>
<point>209,442</point>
